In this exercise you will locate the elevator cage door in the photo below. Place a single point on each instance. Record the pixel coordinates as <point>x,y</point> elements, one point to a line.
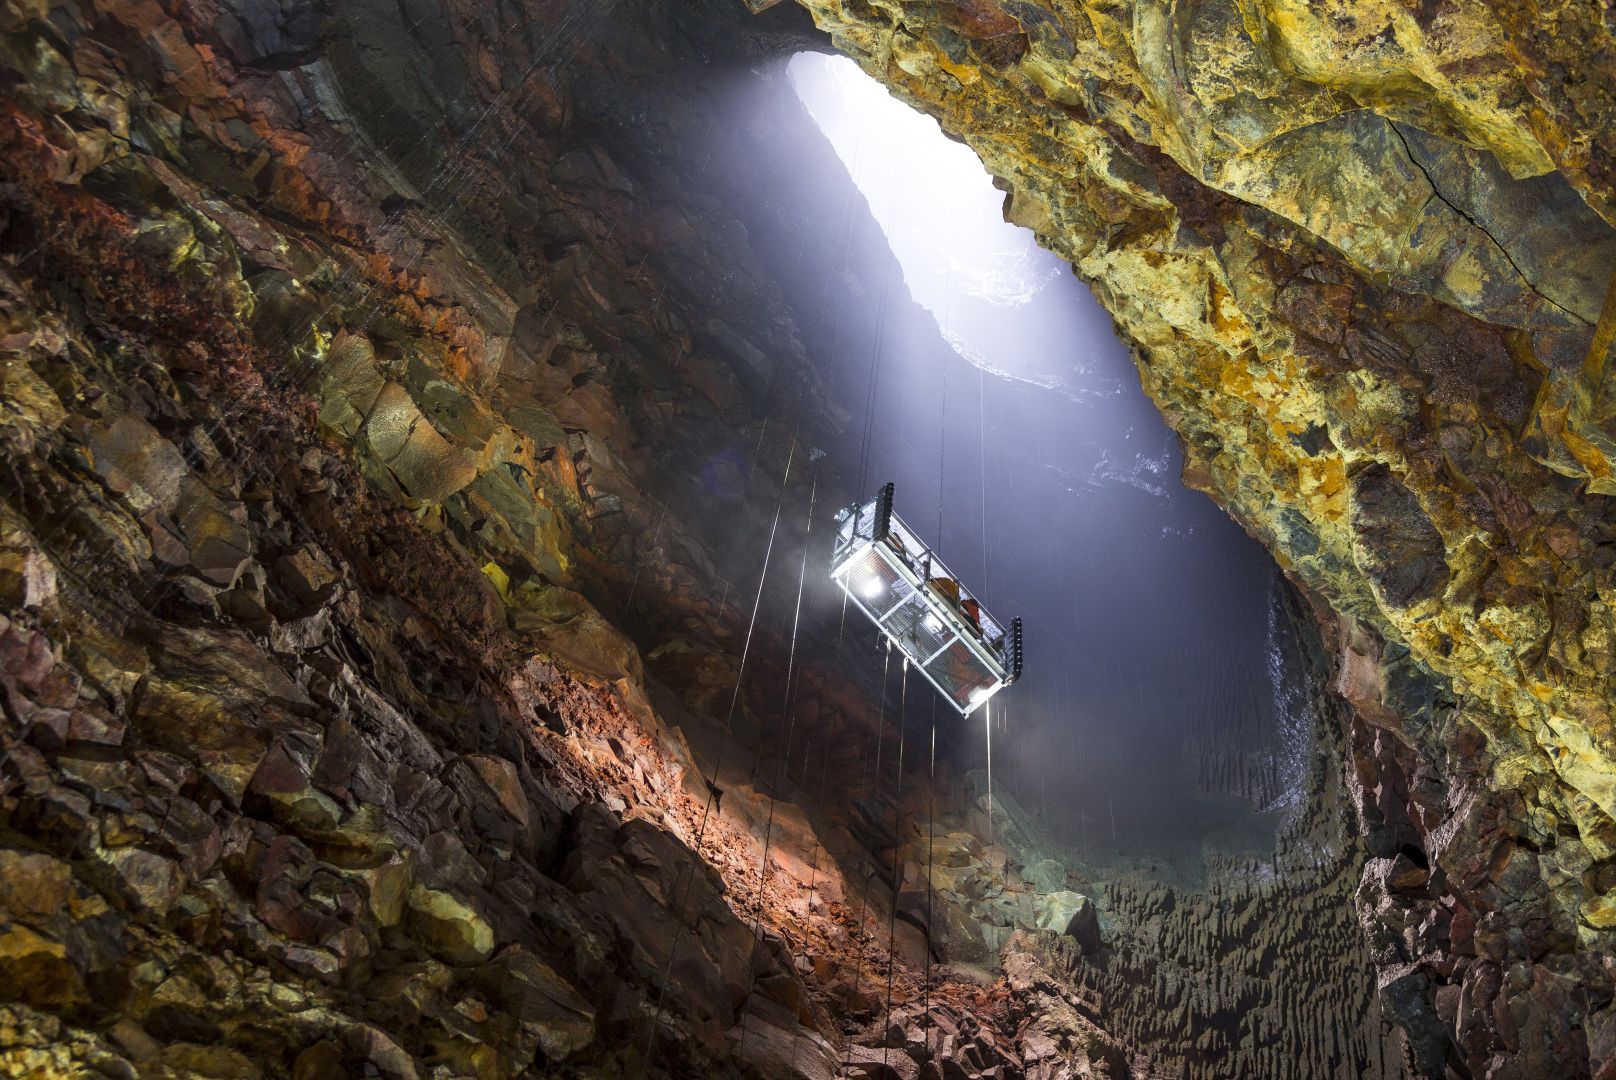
<point>920,605</point>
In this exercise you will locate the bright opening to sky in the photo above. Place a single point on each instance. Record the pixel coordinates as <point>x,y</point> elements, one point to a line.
<point>944,221</point>
<point>909,175</point>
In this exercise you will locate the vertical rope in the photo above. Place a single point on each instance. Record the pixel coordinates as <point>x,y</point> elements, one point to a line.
<point>942,454</point>
<point>897,846</point>
<point>864,895</point>
<point>981,422</point>
<point>880,723</point>
<point>876,357</point>
<point>982,445</point>
<point>639,557</point>
<point>942,412</point>
<point>723,753</point>
<point>931,835</point>
<point>988,727</point>
<point>780,773</point>
<point>813,873</point>
<point>841,626</point>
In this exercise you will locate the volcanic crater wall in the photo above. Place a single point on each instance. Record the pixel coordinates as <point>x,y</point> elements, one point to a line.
<point>386,387</point>
<point>1364,254</point>
<point>344,360</point>
<point>394,407</point>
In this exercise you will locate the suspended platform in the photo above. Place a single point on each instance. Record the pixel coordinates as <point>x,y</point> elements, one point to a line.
<point>921,606</point>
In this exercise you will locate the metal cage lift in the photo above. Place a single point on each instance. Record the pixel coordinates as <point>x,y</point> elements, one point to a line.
<point>915,600</point>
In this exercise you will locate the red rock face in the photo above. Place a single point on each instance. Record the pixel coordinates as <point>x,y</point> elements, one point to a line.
<point>351,377</point>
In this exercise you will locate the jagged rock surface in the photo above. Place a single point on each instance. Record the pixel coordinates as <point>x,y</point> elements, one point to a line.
<point>343,456</point>
<point>1361,250</point>
<point>319,432</point>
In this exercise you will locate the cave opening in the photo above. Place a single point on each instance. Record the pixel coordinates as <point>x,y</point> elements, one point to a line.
<point>1163,714</point>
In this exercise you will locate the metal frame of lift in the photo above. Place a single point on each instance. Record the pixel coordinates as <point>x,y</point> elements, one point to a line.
<point>1000,655</point>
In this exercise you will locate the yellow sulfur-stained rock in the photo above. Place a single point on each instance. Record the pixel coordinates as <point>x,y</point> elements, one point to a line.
<point>33,887</point>
<point>36,969</point>
<point>449,926</point>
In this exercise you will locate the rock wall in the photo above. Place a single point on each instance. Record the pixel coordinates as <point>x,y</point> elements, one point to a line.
<point>1364,256</point>
<point>342,363</point>
<point>374,380</point>
<point>1264,971</point>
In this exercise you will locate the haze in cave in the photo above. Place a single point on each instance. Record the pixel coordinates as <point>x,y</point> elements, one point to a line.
<point>425,429</point>
<point>1150,614</point>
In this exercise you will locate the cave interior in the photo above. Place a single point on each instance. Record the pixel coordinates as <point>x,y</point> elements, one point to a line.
<point>424,430</point>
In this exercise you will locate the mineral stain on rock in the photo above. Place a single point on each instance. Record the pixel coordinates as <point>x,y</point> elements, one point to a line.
<point>1397,545</point>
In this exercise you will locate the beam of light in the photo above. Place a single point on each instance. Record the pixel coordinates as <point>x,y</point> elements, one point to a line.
<point>1010,397</point>
<point>948,223</point>
<point>943,219</point>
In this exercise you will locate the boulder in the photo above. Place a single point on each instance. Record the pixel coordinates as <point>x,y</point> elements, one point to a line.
<point>137,462</point>
<point>427,466</point>
<point>569,627</point>
<point>449,926</point>
<point>548,1011</point>
<point>35,969</point>
<point>501,777</point>
<point>32,887</point>
<point>879,1063</point>
<point>350,385</point>
<point>1072,914</point>
<point>770,1041</point>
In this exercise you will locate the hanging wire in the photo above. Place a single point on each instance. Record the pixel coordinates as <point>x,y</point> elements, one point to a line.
<point>982,442</point>
<point>751,471</point>
<point>639,557</point>
<point>942,453</point>
<point>877,353</point>
<point>864,894</point>
<point>931,773</point>
<point>791,728</point>
<point>813,871</point>
<point>723,753</point>
<point>931,832</point>
<point>982,445</point>
<point>897,847</point>
<point>988,728</point>
<point>942,412</point>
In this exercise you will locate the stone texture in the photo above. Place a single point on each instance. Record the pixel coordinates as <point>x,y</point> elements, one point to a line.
<point>1360,252</point>
<point>325,749</point>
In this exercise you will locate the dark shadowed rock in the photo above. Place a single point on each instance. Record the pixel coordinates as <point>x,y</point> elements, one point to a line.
<point>1397,544</point>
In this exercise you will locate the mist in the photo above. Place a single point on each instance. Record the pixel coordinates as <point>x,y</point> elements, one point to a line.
<point>1159,718</point>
